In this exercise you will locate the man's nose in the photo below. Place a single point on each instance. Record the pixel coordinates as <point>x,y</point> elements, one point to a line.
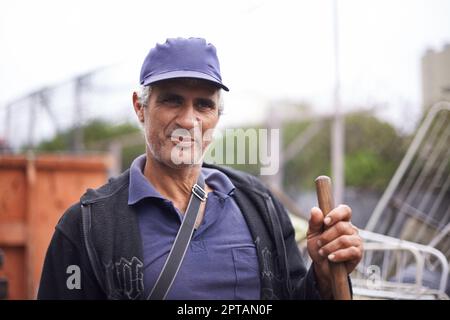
<point>187,118</point>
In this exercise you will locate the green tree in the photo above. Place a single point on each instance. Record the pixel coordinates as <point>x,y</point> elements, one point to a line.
<point>94,133</point>
<point>97,134</point>
<point>373,150</point>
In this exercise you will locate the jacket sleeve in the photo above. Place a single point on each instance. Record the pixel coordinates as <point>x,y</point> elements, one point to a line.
<point>302,282</point>
<point>67,273</point>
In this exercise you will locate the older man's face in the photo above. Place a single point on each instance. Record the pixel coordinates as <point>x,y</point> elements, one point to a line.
<point>179,120</point>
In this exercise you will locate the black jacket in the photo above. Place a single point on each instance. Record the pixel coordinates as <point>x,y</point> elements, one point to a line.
<point>100,235</point>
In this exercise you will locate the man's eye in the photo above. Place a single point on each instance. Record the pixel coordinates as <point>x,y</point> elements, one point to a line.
<point>205,105</point>
<point>171,101</point>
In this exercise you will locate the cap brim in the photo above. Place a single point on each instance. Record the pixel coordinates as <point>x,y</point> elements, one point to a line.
<point>183,74</point>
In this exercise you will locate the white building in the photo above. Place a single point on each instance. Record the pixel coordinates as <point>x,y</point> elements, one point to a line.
<point>436,76</point>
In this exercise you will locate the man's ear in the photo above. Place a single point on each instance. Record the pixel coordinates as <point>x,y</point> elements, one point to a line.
<point>138,108</point>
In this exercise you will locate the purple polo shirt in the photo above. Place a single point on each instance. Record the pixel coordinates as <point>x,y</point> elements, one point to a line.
<point>221,261</point>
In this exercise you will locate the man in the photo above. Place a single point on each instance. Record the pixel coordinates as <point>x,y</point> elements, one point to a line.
<point>118,237</point>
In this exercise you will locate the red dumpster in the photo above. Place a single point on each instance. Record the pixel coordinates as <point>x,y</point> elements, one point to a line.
<point>34,193</point>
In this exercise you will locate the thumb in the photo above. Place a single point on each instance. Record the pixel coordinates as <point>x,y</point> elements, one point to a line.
<point>316,221</point>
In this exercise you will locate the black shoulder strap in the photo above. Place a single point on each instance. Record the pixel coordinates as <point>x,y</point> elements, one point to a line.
<point>181,243</point>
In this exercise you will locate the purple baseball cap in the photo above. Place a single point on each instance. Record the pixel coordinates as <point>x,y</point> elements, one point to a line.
<point>182,58</point>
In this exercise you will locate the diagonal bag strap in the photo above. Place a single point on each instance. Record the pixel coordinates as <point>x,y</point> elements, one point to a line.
<point>181,243</point>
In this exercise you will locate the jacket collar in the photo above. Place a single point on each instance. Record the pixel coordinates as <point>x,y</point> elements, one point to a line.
<point>113,186</point>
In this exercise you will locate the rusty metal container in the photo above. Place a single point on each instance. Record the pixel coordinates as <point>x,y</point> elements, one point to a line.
<point>34,193</point>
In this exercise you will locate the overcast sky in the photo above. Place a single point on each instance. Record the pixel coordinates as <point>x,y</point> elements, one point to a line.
<point>269,50</point>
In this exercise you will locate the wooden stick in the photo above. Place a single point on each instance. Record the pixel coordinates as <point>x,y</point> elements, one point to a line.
<point>340,286</point>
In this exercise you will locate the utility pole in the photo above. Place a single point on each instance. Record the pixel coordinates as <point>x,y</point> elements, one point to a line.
<point>32,120</point>
<point>78,145</point>
<point>337,133</point>
<point>8,124</point>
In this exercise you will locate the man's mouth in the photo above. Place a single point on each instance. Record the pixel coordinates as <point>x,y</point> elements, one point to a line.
<point>182,141</point>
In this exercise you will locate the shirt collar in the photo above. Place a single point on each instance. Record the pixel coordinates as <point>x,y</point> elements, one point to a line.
<point>140,187</point>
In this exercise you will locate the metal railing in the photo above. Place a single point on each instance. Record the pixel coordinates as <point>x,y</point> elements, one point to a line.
<point>424,167</point>
<point>395,269</point>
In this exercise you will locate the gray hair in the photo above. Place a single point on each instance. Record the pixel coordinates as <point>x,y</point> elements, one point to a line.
<point>144,92</point>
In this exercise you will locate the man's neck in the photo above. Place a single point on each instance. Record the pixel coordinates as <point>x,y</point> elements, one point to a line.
<point>174,184</point>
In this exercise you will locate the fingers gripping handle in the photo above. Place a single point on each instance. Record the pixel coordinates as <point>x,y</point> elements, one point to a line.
<point>340,286</point>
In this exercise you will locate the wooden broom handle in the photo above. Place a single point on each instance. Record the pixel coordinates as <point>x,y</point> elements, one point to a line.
<point>340,286</point>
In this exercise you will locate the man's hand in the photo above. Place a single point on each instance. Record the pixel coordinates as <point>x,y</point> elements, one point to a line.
<point>340,242</point>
